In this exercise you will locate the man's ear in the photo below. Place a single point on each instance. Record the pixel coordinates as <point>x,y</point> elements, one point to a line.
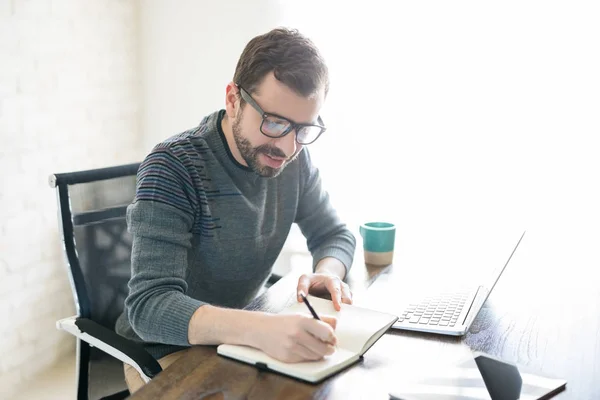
<point>232,100</point>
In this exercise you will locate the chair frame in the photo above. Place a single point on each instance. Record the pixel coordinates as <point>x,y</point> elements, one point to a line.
<point>89,332</point>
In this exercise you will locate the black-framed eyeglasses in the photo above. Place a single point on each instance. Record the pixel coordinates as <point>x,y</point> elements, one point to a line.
<point>276,126</point>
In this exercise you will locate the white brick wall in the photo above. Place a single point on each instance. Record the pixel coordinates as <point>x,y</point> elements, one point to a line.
<point>68,101</point>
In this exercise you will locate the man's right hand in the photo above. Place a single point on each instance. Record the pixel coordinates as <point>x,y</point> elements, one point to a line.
<point>295,337</point>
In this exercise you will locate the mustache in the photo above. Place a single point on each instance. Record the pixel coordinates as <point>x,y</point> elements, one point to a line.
<point>271,151</point>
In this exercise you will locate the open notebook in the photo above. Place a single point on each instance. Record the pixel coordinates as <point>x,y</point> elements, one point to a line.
<point>357,330</point>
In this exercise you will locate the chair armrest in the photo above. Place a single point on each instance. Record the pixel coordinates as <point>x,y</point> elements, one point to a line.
<point>112,343</point>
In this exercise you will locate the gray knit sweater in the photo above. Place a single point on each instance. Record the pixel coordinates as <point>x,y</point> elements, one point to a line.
<point>207,230</point>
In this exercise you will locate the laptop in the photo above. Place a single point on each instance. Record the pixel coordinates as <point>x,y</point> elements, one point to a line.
<point>446,310</point>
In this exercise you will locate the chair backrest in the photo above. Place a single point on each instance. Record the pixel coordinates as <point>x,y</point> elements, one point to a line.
<point>92,206</point>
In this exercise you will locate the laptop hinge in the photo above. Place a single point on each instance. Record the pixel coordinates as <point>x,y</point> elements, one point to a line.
<point>472,303</point>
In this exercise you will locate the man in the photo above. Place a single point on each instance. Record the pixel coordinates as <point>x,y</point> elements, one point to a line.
<point>215,204</point>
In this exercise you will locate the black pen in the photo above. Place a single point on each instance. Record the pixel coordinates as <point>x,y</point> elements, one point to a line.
<point>312,311</point>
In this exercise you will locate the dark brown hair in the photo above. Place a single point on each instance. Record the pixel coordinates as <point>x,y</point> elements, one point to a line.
<point>294,59</point>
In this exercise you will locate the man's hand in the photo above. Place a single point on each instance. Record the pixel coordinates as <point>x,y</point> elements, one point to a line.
<point>294,338</point>
<point>321,283</point>
<point>286,337</point>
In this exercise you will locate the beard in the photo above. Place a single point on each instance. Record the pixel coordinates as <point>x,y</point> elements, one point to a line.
<point>251,154</point>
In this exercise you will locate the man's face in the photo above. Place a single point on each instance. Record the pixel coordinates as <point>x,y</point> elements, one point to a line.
<point>264,155</point>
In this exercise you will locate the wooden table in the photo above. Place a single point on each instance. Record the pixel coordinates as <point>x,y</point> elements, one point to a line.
<point>544,313</point>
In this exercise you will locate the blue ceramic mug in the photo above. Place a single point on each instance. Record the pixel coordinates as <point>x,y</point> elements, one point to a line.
<point>378,242</point>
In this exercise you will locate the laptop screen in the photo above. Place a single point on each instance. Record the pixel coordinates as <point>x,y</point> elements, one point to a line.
<point>490,282</point>
<point>452,255</point>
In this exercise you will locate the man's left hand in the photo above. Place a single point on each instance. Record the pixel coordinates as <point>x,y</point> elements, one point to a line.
<point>321,283</point>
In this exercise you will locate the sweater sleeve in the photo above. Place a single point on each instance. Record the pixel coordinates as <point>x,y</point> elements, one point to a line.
<point>160,221</point>
<point>326,235</point>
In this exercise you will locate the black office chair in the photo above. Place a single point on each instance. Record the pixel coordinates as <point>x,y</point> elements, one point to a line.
<point>92,206</point>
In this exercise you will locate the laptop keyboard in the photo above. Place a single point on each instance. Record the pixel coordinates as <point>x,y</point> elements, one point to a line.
<point>442,310</point>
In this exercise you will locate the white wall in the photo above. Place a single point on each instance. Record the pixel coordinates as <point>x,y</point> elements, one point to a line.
<point>68,101</point>
<point>188,55</point>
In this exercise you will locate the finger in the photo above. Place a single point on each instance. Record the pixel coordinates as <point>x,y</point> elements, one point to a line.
<point>331,321</point>
<point>346,294</point>
<point>320,330</point>
<point>333,286</point>
<point>303,285</point>
<point>316,346</point>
